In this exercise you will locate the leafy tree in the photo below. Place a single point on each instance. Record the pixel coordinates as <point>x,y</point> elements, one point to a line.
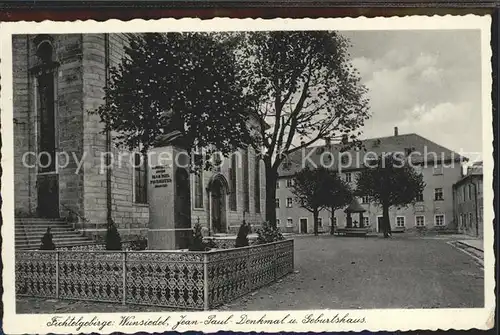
<point>390,181</point>
<point>176,82</point>
<point>113,239</point>
<point>304,88</point>
<point>340,195</point>
<point>316,189</point>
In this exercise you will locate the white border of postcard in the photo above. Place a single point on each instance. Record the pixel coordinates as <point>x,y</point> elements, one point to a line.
<point>374,319</point>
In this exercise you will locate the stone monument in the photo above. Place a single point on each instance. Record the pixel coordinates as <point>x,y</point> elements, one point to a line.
<point>169,194</point>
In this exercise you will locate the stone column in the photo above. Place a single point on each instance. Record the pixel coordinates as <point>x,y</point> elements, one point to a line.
<point>169,224</point>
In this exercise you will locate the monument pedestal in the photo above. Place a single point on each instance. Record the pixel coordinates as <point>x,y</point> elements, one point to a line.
<point>169,199</point>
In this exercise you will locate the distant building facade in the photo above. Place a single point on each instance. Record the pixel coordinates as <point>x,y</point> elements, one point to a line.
<point>468,201</point>
<point>57,80</point>
<point>433,208</point>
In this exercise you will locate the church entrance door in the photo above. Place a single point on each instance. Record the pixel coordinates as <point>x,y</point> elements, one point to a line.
<point>48,195</point>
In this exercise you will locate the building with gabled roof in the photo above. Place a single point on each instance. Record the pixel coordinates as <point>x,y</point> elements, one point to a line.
<point>441,168</point>
<point>468,201</point>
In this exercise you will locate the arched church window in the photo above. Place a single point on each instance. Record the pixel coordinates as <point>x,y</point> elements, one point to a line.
<point>232,178</point>
<point>246,186</point>
<point>44,52</point>
<point>140,178</point>
<point>198,189</point>
<point>257,183</point>
<point>44,74</point>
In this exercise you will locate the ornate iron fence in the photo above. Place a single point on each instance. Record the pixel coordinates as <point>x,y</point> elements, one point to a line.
<point>177,279</point>
<point>126,246</point>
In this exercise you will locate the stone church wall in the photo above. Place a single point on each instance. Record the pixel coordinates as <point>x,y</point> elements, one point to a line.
<point>79,85</point>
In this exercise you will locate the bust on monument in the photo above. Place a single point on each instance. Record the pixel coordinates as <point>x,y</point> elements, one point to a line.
<point>173,132</point>
<point>174,137</point>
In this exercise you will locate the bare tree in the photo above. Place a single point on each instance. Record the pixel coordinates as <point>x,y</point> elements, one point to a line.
<point>304,88</point>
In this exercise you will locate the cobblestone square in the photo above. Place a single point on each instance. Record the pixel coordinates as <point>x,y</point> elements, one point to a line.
<point>346,273</point>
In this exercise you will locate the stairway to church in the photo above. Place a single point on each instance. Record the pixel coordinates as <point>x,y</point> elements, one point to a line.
<point>29,232</point>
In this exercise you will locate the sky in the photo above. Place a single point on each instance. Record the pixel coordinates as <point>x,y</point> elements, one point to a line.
<point>424,82</point>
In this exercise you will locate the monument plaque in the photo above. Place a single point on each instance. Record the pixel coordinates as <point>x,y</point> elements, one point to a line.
<point>169,200</point>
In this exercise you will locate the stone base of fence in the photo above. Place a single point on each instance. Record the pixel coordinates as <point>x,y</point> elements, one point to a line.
<point>176,279</point>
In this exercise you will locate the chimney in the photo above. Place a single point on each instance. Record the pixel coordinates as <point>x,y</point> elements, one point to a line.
<point>395,131</point>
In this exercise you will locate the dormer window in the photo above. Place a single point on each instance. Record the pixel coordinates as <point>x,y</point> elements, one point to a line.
<point>409,151</point>
<point>438,169</point>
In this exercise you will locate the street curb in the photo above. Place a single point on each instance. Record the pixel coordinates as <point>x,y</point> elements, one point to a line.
<point>469,246</point>
<point>463,248</point>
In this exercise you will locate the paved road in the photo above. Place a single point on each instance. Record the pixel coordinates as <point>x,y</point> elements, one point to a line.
<point>345,272</point>
<point>373,272</point>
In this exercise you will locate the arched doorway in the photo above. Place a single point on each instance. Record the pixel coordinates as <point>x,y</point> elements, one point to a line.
<point>218,190</point>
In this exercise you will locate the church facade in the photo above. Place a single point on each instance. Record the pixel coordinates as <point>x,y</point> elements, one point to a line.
<point>62,153</point>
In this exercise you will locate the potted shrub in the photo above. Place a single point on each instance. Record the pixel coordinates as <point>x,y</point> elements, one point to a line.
<point>113,239</point>
<point>268,234</point>
<point>47,243</point>
<point>242,237</point>
<point>197,243</point>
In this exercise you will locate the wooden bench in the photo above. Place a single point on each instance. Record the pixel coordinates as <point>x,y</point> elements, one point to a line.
<point>352,231</point>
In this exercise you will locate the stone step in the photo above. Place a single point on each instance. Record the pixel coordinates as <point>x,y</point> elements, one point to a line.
<point>43,229</point>
<point>60,242</point>
<point>43,225</point>
<point>33,246</point>
<point>39,221</point>
<point>55,239</point>
<point>19,229</point>
<point>40,233</point>
<point>29,233</point>
<point>54,236</point>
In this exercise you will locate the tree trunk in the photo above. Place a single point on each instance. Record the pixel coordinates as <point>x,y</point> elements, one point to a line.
<point>386,223</point>
<point>332,226</point>
<point>315,218</point>
<point>271,179</point>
